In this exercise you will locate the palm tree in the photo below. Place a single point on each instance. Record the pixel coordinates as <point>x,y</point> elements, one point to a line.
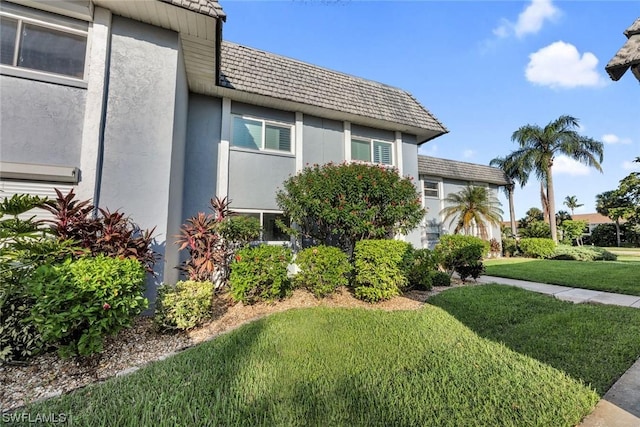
<point>540,146</point>
<point>515,173</point>
<point>472,206</point>
<point>572,202</point>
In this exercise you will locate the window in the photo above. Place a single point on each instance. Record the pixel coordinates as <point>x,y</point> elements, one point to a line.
<point>270,230</point>
<point>372,151</point>
<point>431,189</point>
<point>30,43</point>
<point>257,134</point>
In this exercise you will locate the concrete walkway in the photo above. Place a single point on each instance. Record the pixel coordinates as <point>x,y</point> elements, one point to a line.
<point>620,406</point>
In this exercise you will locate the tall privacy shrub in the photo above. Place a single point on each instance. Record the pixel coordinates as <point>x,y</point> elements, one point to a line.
<point>341,204</point>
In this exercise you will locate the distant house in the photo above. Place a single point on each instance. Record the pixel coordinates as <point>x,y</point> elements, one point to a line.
<point>592,219</point>
<point>628,56</point>
<point>440,177</point>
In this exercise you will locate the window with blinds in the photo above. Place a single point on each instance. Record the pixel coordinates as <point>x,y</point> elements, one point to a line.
<point>256,134</point>
<point>372,151</point>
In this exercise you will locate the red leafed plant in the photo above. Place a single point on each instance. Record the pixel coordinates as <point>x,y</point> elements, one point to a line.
<point>111,233</point>
<point>212,241</point>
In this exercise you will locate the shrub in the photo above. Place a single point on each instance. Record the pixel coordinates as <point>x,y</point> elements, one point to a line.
<point>423,262</point>
<point>440,278</point>
<point>494,247</point>
<point>260,274</point>
<point>469,262</point>
<point>338,205</point>
<point>211,241</point>
<point>184,305</point>
<point>582,253</point>
<point>78,302</point>
<point>453,254</point>
<point>509,247</point>
<point>378,269</point>
<point>537,247</point>
<point>572,231</point>
<point>322,270</point>
<point>536,229</point>
<point>111,234</point>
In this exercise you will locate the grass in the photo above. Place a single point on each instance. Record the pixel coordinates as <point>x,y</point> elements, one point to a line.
<point>594,343</point>
<point>324,366</point>
<point>610,276</point>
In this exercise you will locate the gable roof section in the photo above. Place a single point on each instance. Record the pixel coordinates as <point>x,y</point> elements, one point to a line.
<point>433,166</point>
<point>628,56</point>
<point>205,7</point>
<point>254,71</point>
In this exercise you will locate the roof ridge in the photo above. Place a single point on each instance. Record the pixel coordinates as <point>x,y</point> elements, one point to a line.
<point>309,64</point>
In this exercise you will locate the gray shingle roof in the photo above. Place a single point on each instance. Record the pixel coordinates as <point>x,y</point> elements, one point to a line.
<point>255,71</point>
<point>205,7</point>
<point>463,171</point>
<point>628,56</point>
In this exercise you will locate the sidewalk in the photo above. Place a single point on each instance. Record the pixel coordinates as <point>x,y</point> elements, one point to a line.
<point>620,406</point>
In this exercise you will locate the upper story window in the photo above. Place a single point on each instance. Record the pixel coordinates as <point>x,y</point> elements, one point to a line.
<point>41,41</point>
<point>431,189</point>
<point>372,151</point>
<point>257,134</point>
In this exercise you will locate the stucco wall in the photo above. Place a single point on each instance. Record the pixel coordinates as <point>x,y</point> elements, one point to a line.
<point>323,140</point>
<point>254,178</point>
<point>40,122</point>
<point>201,157</point>
<point>368,132</point>
<point>141,122</point>
<point>410,168</point>
<point>263,112</point>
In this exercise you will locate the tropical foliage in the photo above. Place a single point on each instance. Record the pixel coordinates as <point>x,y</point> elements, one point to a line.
<point>540,146</point>
<point>472,209</point>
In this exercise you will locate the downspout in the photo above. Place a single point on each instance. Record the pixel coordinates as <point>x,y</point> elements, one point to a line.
<point>103,121</point>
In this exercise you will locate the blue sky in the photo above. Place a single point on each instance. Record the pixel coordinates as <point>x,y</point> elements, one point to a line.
<point>483,68</point>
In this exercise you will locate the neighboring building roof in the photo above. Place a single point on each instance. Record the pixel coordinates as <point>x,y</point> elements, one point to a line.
<point>592,218</point>
<point>628,56</point>
<point>263,73</point>
<point>206,7</point>
<point>433,166</point>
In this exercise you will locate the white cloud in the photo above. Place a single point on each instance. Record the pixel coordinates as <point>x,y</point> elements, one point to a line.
<point>468,154</point>
<point>530,20</point>
<point>628,165</point>
<point>568,166</point>
<point>560,65</point>
<point>611,138</point>
<point>429,149</point>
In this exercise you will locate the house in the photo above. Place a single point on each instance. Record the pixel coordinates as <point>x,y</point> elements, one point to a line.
<point>593,220</point>
<point>141,106</point>
<point>628,56</point>
<point>440,177</point>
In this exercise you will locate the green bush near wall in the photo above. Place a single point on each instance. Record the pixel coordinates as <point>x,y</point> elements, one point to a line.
<point>379,269</point>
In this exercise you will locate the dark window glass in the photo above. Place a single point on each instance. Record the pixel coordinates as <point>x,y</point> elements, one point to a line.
<point>8,28</point>
<point>271,232</point>
<point>53,51</point>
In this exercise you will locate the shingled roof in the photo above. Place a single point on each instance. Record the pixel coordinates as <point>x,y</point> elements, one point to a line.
<point>628,56</point>
<point>206,7</point>
<point>263,73</point>
<point>463,171</point>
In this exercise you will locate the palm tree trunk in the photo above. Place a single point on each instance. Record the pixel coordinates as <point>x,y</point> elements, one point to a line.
<point>544,201</point>
<point>512,212</point>
<point>552,204</point>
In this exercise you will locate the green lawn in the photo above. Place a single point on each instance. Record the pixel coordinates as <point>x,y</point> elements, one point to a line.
<point>611,276</point>
<point>594,343</point>
<point>351,367</point>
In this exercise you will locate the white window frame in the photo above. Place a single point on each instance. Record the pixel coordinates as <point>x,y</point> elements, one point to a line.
<point>425,189</point>
<point>265,123</point>
<point>371,142</point>
<point>42,21</point>
<point>261,213</point>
